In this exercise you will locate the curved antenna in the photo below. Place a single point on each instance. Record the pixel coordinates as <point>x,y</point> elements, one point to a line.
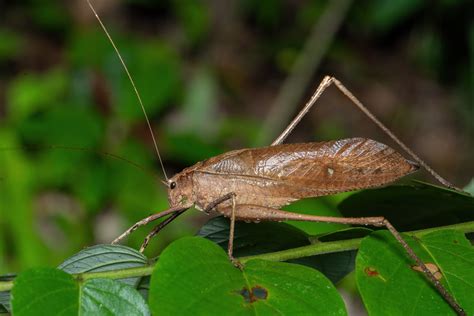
<point>133,85</point>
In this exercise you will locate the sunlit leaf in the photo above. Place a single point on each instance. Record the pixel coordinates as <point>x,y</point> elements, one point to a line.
<point>44,292</point>
<point>200,271</point>
<point>49,291</point>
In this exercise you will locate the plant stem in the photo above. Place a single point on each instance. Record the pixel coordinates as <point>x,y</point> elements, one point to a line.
<point>308,251</point>
<point>320,248</point>
<point>116,274</point>
<point>311,250</point>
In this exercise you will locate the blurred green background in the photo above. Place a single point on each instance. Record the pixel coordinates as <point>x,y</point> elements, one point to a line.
<point>214,76</point>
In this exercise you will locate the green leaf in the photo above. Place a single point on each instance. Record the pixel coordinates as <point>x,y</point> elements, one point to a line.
<point>411,207</point>
<point>48,291</point>
<point>109,297</point>
<point>199,271</point>
<point>105,258</point>
<point>44,291</point>
<point>385,274</point>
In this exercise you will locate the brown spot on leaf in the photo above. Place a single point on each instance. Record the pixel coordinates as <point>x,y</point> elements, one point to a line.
<point>255,294</point>
<point>433,268</point>
<point>371,272</point>
<point>378,170</point>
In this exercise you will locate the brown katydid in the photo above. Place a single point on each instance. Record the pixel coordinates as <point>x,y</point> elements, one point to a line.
<point>253,184</point>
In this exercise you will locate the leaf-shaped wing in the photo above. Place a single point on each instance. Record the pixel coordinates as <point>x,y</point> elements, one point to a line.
<point>296,171</point>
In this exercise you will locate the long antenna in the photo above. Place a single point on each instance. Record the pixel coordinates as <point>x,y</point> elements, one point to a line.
<point>133,85</point>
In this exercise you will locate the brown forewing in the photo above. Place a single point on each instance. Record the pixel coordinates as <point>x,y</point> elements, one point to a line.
<point>280,174</point>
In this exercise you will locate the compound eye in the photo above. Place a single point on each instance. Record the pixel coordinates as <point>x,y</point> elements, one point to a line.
<point>172,185</point>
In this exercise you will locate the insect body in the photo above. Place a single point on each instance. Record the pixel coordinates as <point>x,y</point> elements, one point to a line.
<point>278,175</point>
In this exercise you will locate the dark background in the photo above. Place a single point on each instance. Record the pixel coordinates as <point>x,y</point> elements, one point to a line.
<point>214,76</point>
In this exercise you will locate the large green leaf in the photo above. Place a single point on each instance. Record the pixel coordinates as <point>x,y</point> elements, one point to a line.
<point>194,276</point>
<point>105,258</point>
<point>390,286</point>
<point>48,291</point>
<point>411,207</point>
<point>44,292</point>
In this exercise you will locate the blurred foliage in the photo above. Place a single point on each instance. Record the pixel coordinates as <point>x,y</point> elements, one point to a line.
<point>207,73</point>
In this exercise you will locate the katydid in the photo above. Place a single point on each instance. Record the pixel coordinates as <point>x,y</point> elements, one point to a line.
<point>253,184</point>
